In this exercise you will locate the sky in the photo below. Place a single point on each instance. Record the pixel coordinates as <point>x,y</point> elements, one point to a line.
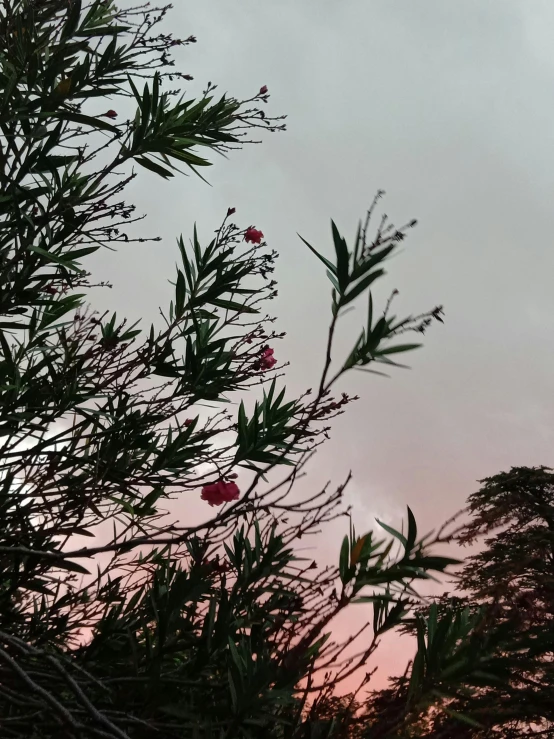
<point>449,108</point>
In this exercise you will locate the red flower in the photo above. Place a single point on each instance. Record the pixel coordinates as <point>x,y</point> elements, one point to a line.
<point>230,211</point>
<point>263,90</point>
<point>267,360</point>
<point>189,421</point>
<point>220,492</point>
<point>110,114</point>
<point>253,235</point>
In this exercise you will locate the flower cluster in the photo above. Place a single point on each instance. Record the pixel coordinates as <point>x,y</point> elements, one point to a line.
<point>253,236</point>
<point>220,492</point>
<point>265,361</point>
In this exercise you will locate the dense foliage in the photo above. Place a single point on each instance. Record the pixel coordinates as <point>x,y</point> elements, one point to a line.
<point>114,620</point>
<point>507,585</point>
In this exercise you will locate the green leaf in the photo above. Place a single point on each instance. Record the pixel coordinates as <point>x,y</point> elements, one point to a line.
<point>397,535</point>
<point>432,623</point>
<point>104,31</point>
<point>180,294</point>
<point>38,586</point>
<point>84,119</point>
<point>393,617</point>
<point>242,425</point>
<point>333,281</point>
<point>330,266</point>
<point>72,21</point>
<point>369,314</point>
<point>398,348</point>
<point>314,649</point>
<point>187,157</point>
<point>154,167</point>
<point>68,264</point>
<point>344,559</point>
<point>342,258</point>
<point>65,564</point>
<point>412,531</point>
<point>365,265</point>
<point>361,286</point>
<point>232,305</point>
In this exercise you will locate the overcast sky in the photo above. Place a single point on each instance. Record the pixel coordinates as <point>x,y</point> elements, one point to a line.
<point>449,107</point>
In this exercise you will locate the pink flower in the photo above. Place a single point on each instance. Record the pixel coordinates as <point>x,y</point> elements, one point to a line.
<point>230,211</point>
<point>111,114</point>
<point>253,235</point>
<point>263,90</point>
<point>220,492</point>
<point>267,360</point>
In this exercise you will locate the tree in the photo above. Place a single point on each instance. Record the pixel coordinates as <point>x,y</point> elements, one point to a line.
<point>514,576</point>
<point>168,629</point>
<point>506,590</point>
<point>334,716</point>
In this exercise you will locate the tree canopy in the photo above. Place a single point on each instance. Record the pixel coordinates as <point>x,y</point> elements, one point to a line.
<point>507,585</point>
